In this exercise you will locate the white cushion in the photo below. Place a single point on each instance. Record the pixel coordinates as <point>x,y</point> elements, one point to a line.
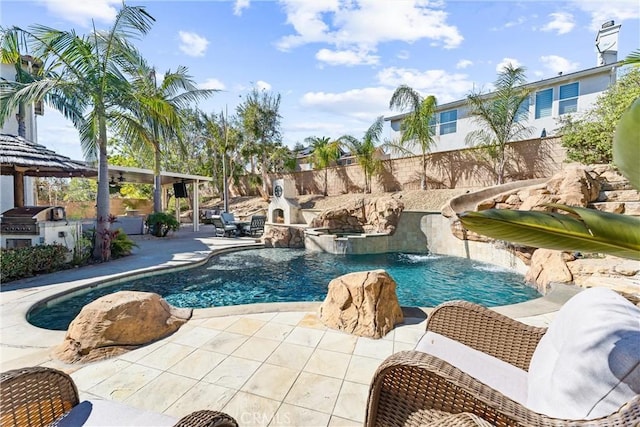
<point>587,365</point>
<point>491,371</point>
<point>109,413</point>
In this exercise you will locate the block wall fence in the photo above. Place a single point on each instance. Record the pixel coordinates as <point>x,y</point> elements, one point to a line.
<point>528,159</point>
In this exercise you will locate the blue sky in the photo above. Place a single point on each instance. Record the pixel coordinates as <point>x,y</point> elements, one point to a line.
<point>336,62</point>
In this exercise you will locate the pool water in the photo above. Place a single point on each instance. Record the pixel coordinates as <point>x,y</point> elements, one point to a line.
<point>281,275</point>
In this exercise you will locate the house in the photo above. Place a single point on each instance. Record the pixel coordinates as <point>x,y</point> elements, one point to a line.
<point>26,127</point>
<point>550,98</point>
<point>304,158</point>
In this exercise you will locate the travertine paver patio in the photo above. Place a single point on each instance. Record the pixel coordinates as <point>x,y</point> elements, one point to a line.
<point>263,364</point>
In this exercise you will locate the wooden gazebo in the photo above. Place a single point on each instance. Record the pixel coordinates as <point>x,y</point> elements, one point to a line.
<point>20,157</point>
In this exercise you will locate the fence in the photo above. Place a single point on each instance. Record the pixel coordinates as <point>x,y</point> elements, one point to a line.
<point>533,158</point>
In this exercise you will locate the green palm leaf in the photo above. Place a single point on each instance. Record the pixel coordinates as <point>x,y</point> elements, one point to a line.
<point>584,230</point>
<point>626,143</point>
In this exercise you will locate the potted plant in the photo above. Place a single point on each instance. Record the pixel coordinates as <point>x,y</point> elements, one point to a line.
<point>160,223</point>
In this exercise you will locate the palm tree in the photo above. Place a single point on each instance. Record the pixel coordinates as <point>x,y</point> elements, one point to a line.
<point>365,151</point>
<point>417,126</point>
<point>221,138</point>
<point>154,113</point>
<point>85,76</point>
<point>27,69</point>
<point>324,153</point>
<point>584,230</point>
<point>498,116</point>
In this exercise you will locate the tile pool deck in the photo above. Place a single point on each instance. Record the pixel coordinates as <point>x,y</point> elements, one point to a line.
<point>264,364</point>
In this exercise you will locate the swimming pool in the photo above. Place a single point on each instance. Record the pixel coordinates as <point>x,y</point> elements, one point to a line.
<point>284,275</point>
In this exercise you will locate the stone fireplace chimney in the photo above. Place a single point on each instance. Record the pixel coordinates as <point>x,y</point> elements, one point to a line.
<point>283,209</point>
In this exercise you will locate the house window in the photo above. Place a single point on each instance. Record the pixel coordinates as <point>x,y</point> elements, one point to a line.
<point>544,101</point>
<point>522,115</point>
<point>448,120</point>
<point>432,125</point>
<point>568,98</point>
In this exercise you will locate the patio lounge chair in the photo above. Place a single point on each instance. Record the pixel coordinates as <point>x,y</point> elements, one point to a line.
<point>222,228</point>
<point>40,396</point>
<point>256,227</point>
<point>477,367</point>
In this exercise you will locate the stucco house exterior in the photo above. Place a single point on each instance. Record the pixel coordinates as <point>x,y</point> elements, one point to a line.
<point>10,126</point>
<point>550,98</point>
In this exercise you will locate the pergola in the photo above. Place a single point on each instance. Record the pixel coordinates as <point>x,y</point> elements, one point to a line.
<point>20,157</point>
<point>123,175</point>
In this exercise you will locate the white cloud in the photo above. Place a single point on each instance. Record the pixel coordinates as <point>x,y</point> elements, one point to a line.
<point>262,85</point>
<point>346,57</point>
<point>557,64</point>
<point>521,20</point>
<point>507,61</point>
<point>363,105</point>
<point>561,22</point>
<point>601,12</point>
<point>446,87</point>
<point>192,44</point>
<point>359,26</point>
<point>212,83</point>
<point>239,5</point>
<point>82,12</point>
<point>463,63</point>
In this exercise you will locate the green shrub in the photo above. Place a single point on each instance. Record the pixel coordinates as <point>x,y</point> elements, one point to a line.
<point>160,223</point>
<point>121,244</point>
<point>26,262</point>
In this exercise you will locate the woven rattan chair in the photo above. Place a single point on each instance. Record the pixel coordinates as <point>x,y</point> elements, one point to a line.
<point>413,388</point>
<point>39,396</point>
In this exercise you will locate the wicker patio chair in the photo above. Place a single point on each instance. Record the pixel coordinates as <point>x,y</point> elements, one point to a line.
<point>39,396</point>
<point>414,388</point>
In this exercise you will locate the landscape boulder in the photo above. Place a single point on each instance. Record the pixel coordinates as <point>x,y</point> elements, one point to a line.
<point>117,323</point>
<point>363,303</point>
<point>378,215</point>
<point>282,236</point>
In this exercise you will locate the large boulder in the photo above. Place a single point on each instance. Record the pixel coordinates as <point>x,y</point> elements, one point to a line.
<point>549,266</point>
<point>574,186</point>
<point>377,215</point>
<point>363,303</point>
<point>283,236</point>
<point>117,323</point>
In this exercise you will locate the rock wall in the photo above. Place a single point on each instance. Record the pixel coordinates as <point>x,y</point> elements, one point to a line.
<point>380,215</point>
<point>283,236</point>
<point>599,187</point>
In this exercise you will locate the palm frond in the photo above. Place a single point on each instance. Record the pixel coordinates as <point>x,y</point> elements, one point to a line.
<point>585,230</point>
<point>626,144</point>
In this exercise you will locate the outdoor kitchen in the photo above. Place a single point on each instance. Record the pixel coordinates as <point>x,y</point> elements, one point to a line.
<point>37,225</point>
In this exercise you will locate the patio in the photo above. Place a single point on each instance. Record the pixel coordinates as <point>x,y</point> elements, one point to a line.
<point>264,364</point>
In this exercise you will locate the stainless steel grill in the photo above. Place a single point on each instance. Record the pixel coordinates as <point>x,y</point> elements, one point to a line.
<point>25,220</point>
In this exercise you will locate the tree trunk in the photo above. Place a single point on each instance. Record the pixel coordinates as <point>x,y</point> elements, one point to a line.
<point>20,117</point>
<point>157,180</point>
<point>501,166</point>
<point>102,249</point>
<point>326,193</point>
<point>423,184</point>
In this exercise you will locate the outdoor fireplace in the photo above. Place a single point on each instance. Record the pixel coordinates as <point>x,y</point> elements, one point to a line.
<point>283,209</point>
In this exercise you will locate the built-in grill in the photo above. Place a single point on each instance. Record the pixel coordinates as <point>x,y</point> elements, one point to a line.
<point>25,220</point>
